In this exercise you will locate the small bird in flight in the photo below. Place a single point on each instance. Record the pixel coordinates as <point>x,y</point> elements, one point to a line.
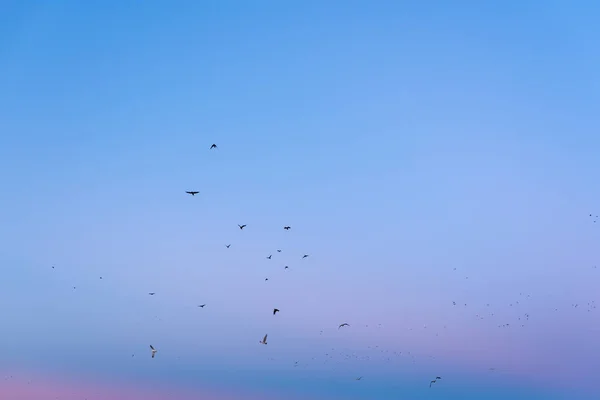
<point>153,350</point>
<point>269,256</point>
<point>344,324</point>
<point>279,251</point>
<point>151,293</point>
<point>201,305</point>
<point>264,340</point>
<point>193,193</point>
<point>275,310</point>
<point>304,256</point>
<point>213,146</point>
<point>286,267</point>
<point>359,378</point>
<point>434,381</point>
<point>242,226</point>
<point>227,245</point>
<point>287,228</point>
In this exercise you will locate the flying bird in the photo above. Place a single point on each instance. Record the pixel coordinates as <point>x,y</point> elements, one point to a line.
<point>213,146</point>
<point>304,256</point>
<point>153,350</point>
<point>275,310</point>
<point>264,340</point>
<point>359,378</point>
<point>151,293</point>
<point>434,381</point>
<point>227,245</point>
<point>287,228</point>
<point>193,193</point>
<point>344,324</point>
<point>286,267</point>
<point>242,226</point>
<point>269,256</point>
<point>201,305</point>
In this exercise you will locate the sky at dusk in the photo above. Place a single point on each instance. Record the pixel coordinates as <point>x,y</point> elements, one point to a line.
<point>437,161</point>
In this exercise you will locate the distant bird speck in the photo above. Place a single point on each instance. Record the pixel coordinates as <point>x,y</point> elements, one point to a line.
<point>193,193</point>
<point>242,226</point>
<point>342,325</point>
<point>213,146</point>
<point>153,350</point>
<point>264,340</point>
<point>275,310</point>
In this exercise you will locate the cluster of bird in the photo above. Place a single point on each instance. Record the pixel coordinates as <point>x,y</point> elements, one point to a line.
<point>521,319</point>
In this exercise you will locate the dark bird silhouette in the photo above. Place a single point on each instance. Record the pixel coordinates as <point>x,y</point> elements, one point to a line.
<point>153,350</point>
<point>227,245</point>
<point>279,251</point>
<point>287,228</point>
<point>434,381</point>
<point>201,305</point>
<point>193,193</point>
<point>304,256</point>
<point>286,267</point>
<point>213,146</point>
<point>264,340</point>
<point>266,279</point>
<point>242,226</point>
<point>275,310</point>
<point>359,378</point>
<point>151,293</point>
<point>344,324</point>
<point>269,256</point>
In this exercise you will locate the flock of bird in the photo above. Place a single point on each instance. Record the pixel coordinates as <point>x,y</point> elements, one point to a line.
<point>485,311</point>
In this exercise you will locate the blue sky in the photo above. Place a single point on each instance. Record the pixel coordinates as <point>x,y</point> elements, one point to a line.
<point>424,153</point>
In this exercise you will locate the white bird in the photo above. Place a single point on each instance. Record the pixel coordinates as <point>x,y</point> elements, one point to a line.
<point>264,340</point>
<point>153,350</point>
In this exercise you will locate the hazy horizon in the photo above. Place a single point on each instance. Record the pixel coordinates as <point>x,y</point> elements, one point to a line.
<point>437,161</point>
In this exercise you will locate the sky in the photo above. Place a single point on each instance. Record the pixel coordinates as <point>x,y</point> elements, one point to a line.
<point>436,160</point>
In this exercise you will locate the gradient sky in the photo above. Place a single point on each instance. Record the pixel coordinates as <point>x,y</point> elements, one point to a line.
<point>423,152</point>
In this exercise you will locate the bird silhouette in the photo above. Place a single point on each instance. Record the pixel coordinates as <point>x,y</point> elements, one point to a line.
<point>275,310</point>
<point>213,146</point>
<point>242,226</point>
<point>151,293</point>
<point>286,267</point>
<point>193,193</point>
<point>344,324</point>
<point>227,245</point>
<point>270,255</point>
<point>264,340</point>
<point>287,228</point>
<point>201,305</point>
<point>304,256</point>
<point>279,251</point>
<point>153,350</point>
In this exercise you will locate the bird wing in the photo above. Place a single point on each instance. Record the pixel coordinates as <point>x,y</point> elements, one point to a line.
<point>265,338</point>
